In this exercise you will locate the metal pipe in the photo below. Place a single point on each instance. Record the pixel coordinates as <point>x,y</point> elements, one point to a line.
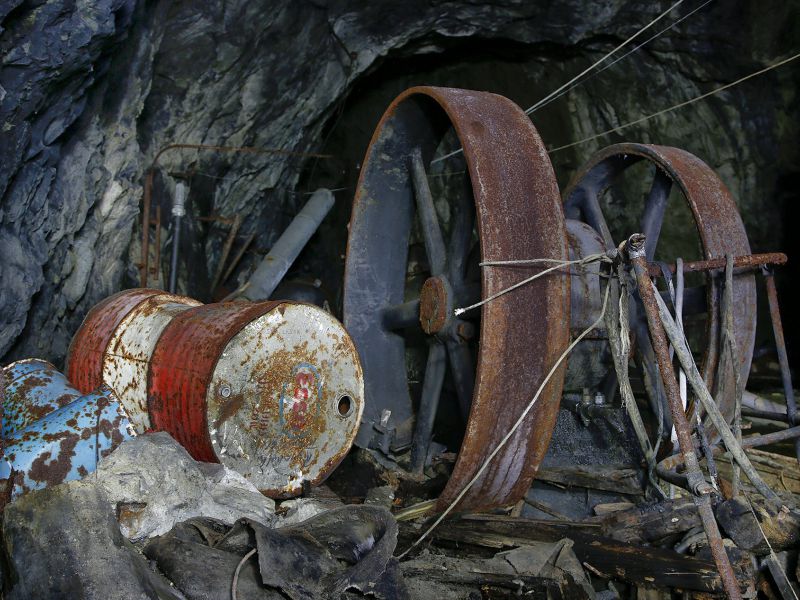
<point>700,489</point>
<point>753,441</point>
<point>275,264</point>
<point>148,186</point>
<point>178,212</point>
<point>746,262</point>
<point>780,345</point>
<point>226,250</point>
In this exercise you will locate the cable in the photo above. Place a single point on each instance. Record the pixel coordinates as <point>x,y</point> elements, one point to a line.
<point>582,73</point>
<point>616,60</point>
<point>514,428</point>
<point>677,106</point>
<point>593,65</point>
<point>559,265</point>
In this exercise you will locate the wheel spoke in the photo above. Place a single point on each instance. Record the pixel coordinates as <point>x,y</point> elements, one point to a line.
<point>594,217</point>
<point>461,235</point>
<point>429,403</point>
<point>463,371</point>
<point>401,316</point>
<point>434,243</point>
<point>655,206</point>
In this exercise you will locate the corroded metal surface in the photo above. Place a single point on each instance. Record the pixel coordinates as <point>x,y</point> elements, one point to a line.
<point>86,351</point>
<point>435,304</point>
<point>127,356</point>
<point>115,342</point>
<point>35,389</point>
<point>273,390</point>
<point>55,434</point>
<point>522,333</point>
<point>719,227</point>
<point>698,486</point>
<point>740,263</point>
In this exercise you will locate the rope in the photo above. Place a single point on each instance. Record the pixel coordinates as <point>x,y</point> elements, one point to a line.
<point>514,427</point>
<point>616,60</point>
<point>582,73</point>
<point>618,329</point>
<point>235,582</point>
<point>677,106</point>
<point>560,264</point>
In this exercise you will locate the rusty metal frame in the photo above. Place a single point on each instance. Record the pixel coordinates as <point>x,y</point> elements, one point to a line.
<point>522,334</point>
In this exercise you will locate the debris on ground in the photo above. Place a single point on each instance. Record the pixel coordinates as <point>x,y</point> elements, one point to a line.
<point>543,406</point>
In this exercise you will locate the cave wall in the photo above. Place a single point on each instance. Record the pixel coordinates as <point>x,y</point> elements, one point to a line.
<point>91,90</point>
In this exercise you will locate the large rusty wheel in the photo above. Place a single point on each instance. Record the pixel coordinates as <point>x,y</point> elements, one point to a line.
<point>719,231</point>
<point>517,215</point>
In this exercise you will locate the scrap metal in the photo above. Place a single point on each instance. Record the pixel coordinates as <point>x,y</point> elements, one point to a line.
<point>55,434</point>
<point>783,359</point>
<point>720,230</point>
<point>518,216</point>
<point>701,491</point>
<point>272,390</point>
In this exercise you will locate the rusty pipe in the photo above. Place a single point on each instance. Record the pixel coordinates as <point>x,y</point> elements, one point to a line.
<point>144,263</point>
<point>780,345</point>
<point>700,489</point>
<point>746,262</point>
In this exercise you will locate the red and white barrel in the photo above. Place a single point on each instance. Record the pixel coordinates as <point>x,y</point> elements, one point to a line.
<point>115,343</point>
<point>273,390</point>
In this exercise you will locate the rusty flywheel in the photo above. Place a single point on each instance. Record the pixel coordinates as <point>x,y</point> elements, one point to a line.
<point>515,209</point>
<point>719,232</point>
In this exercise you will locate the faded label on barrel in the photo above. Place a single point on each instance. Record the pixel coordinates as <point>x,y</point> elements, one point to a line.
<point>286,398</point>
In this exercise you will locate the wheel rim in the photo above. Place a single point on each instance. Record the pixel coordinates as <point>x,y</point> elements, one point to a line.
<point>719,227</point>
<point>518,216</point>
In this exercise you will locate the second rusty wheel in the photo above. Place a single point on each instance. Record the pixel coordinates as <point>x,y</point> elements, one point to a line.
<point>712,219</point>
<point>517,215</point>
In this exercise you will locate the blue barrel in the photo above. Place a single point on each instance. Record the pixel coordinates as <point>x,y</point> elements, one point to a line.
<point>34,389</point>
<point>68,441</point>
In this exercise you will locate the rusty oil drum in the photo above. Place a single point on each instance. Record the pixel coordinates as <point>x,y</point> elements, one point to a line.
<point>272,390</point>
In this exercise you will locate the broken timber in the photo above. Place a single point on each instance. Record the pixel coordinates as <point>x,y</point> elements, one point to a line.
<point>648,567</point>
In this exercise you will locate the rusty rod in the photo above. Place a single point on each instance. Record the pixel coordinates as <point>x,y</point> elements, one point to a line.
<point>701,491</point>
<point>741,263</point>
<point>143,264</point>
<point>780,345</point>
<point>226,250</point>
<point>238,257</point>
<point>754,441</point>
<point>148,186</point>
<point>157,258</point>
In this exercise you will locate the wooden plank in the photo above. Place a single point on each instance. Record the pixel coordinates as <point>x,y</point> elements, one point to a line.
<point>531,587</point>
<point>623,480</point>
<point>652,523</point>
<point>648,567</point>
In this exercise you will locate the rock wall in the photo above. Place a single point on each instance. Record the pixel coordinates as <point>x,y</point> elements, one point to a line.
<point>92,89</point>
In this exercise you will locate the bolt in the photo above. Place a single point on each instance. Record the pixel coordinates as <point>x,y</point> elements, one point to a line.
<point>466,331</point>
<point>225,390</point>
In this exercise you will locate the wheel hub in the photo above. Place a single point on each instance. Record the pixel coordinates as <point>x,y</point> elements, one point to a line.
<point>435,305</point>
